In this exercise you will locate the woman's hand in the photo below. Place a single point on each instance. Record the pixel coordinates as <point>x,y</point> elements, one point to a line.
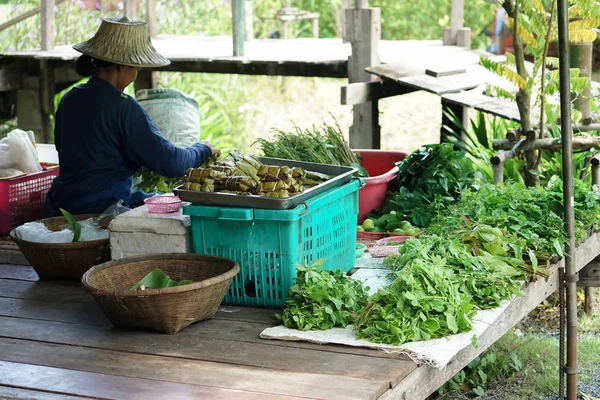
<point>214,151</point>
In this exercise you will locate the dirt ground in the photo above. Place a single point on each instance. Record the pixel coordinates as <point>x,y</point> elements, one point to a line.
<point>407,122</point>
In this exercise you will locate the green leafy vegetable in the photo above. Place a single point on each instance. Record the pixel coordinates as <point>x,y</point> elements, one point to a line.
<point>322,299</point>
<point>325,145</point>
<point>157,279</point>
<point>75,227</point>
<point>430,179</point>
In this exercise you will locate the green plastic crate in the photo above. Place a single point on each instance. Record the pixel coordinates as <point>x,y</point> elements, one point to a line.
<point>269,243</point>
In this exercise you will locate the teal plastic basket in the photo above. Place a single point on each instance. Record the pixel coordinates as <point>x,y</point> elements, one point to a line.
<point>267,244</point>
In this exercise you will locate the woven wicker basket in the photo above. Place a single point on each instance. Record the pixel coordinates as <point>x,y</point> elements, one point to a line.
<point>63,260</point>
<point>163,310</point>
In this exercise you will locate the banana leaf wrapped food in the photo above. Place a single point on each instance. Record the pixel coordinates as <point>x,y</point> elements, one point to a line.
<point>271,186</point>
<point>198,187</point>
<point>198,174</point>
<point>278,193</point>
<point>273,171</point>
<point>236,184</point>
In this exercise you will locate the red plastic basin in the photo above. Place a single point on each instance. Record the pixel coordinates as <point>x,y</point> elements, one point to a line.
<point>381,166</point>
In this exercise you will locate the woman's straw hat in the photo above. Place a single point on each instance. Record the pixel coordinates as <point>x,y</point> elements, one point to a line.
<point>125,42</point>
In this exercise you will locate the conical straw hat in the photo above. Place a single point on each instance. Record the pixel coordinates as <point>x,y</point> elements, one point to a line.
<point>125,42</point>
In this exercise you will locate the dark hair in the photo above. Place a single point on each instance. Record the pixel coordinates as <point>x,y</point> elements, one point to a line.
<point>87,66</point>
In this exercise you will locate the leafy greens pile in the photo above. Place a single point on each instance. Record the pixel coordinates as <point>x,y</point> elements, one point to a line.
<point>474,255</point>
<point>429,180</point>
<point>322,299</point>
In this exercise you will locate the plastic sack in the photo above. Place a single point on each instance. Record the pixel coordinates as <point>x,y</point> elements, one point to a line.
<point>91,231</point>
<point>111,212</point>
<point>17,151</point>
<point>39,233</point>
<point>175,114</point>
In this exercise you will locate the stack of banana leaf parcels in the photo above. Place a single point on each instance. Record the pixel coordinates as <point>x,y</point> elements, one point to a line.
<point>246,175</point>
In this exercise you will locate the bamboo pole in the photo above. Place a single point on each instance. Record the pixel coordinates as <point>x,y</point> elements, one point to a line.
<point>555,144</point>
<point>570,369</point>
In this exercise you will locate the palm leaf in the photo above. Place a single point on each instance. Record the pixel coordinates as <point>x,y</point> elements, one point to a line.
<point>503,71</point>
<point>552,62</point>
<point>582,36</point>
<point>525,36</point>
<point>499,92</point>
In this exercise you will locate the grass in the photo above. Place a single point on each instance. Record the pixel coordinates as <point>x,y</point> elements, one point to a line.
<point>533,346</point>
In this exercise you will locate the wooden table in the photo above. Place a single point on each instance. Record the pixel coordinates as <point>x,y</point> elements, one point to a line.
<point>56,344</point>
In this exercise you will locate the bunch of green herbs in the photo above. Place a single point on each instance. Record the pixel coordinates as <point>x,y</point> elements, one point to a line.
<point>322,299</point>
<point>440,284</point>
<point>430,179</point>
<point>322,145</point>
<point>533,214</point>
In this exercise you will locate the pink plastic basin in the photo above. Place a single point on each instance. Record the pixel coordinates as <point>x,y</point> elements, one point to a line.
<point>381,166</point>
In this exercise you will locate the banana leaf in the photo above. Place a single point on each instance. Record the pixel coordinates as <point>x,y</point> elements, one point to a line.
<point>157,279</point>
<point>74,224</point>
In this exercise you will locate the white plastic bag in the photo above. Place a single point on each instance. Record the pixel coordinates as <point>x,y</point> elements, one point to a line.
<point>39,233</point>
<point>17,151</point>
<point>91,231</point>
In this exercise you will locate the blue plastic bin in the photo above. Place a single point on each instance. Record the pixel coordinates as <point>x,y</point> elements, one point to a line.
<point>268,244</point>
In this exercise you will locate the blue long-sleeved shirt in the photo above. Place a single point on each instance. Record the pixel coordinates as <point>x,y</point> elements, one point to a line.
<point>103,137</point>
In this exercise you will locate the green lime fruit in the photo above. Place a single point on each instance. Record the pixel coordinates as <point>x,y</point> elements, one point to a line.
<point>405,226</point>
<point>368,223</point>
<point>359,228</point>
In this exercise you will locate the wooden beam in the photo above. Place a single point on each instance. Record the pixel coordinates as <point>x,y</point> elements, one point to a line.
<point>25,15</point>
<point>237,8</point>
<point>151,17</point>
<point>554,144</point>
<point>47,22</point>
<point>364,32</point>
<point>363,92</point>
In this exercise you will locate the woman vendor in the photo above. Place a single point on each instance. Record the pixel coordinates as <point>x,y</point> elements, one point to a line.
<point>104,136</point>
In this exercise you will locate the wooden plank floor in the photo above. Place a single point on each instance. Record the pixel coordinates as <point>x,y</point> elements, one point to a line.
<point>55,343</point>
<point>300,57</point>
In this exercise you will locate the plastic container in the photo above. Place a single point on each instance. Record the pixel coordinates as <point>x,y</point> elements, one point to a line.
<point>382,249</point>
<point>381,166</point>
<point>22,198</point>
<point>163,204</point>
<point>360,249</point>
<point>267,244</point>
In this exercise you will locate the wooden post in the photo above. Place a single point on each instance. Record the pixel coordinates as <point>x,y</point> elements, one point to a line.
<point>457,34</point>
<point>315,28</point>
<point>46,89</point>
<point>249,24</point>
<point>581,57</point>
<point>151,17</point>
<point>47,22</point>
<point>237,8</point>
<point>342,19</point>
<point>148,79</point>
<point>364,32</point>
<point>130,6</point>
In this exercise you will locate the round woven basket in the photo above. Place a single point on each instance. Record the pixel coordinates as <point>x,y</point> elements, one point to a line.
<point>63,260</point>
<point>163,310</point>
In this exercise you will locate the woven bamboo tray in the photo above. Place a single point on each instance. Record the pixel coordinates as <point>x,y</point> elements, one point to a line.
<point>163,310</point>
<point>63,260</point>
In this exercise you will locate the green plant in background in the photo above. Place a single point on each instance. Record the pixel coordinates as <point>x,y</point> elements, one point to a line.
<point>534,28</point>
<point>476,140</point>
<point>475,376</point>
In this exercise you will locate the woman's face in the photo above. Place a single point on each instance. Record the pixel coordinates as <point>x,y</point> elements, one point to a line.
<point>126,76</point>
